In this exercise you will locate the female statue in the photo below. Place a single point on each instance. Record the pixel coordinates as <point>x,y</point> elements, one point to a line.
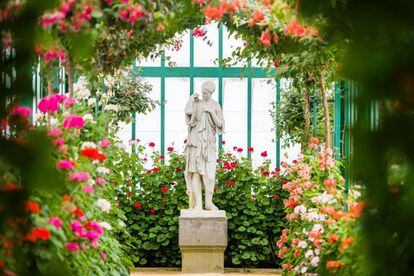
<point>204,118</point>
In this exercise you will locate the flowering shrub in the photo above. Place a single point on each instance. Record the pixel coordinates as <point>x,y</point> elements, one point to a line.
<point>320,234</point>
<point>152,192</point>
<point>70,228</point>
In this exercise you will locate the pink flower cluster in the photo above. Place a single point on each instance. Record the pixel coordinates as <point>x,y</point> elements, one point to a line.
<point>51,103</point>
<point>66,165</point>
<point>21,111</point>
<point>132,13</point>
<point>57,222</point>
<point>90,231</point>
<point>79,177</point>
<point>73,121</point>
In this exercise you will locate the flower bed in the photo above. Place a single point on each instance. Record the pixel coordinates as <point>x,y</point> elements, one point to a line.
<point>152,193</point>
<point>320,235</point>
<point>69,228</point>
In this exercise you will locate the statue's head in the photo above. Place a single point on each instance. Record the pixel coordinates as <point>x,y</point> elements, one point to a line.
<point>207,89</point>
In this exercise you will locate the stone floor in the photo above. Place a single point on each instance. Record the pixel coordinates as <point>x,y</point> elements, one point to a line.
<point>228,271</point>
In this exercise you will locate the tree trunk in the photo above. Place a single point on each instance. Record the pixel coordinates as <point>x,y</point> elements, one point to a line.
<point>306,114</point>
<point>50,86</point>
<point>328,138</point>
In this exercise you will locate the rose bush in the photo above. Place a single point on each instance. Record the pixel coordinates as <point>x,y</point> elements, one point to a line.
<point>152,192</point>
<point>321,222</point>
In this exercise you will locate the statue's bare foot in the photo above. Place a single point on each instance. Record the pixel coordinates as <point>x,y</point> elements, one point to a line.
<point>197,208</point>
<point>211,207</point>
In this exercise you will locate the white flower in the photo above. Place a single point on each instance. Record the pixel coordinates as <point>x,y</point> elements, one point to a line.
<point>38,116</point>
<point>314,262</point>
<point>105,225</point>
<point>80,88</point>
<point>120,145</point>
<point>91,101</point>
<point>317,227</point>
<point>88,145</point>
<point>53,121</point>
<point>88,117</point>
<point>312,216</point>
<point>300,209</point>
<point>303,270</point>
<point>102,170</point>
<point>309,253</point>
<point>103,204</point>
<point>111,107</point>
<point>302,244</point>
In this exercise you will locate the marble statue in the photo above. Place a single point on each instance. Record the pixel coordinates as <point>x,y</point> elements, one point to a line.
<point>204,118</point>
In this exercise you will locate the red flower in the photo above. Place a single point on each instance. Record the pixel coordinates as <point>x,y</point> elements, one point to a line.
<point>253,196</point>
<point>152,211</point>
<point>275,196</point>
<point>233,165</point>
<point>276,63</point>
<point>215,189</point>
<point>149,171</point>
<point>266,173</point>
<point>78,212</point>
<point>223,142</point>
<point>230,183</point>
<point>264,154</point>
<point>277,169</point>
<point>93,154</point>
<point>251,149</point>
<point>333,238</point>
<point>170,149</point>
<point>178,169</point>
<point>275,38</point>
<point>32,207</point>
<point>163,197</point>
<point>284,181</point>
<point>151,144</point>
<point>37,233</point>
<point>164,189</point>
<point>239,150</point>
<point>11,187</point>
<point>185,141</point>
<point>213,13</point>
<point>156,169</point>
<point>257,17</point>
<point>128,194</point>
<point>235,148</point>
<point>265,39</point>
<point>137,205</point>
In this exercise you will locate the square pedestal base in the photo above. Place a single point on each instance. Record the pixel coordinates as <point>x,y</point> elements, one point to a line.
<point>202,240</point>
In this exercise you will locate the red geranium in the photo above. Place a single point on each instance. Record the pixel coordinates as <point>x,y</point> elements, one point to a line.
<point>152,211</point>
<point>32,207</point>
<point>230,183</point>
<point>93,154</point>
<point>37,233</point>
<point>137,205</point>
<point>264,154</point>
<point>151,144</point>
<point>251,149</point>
<point>170,149</point>
<point>164,189</point>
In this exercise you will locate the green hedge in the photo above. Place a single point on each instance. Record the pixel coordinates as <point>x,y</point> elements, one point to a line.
<point>151,200</point>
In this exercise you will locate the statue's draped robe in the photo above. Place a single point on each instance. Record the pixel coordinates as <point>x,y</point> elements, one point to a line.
<point>201,147</point>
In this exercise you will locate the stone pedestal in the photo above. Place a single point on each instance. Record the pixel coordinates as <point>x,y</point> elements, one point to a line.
<point>202,240</point>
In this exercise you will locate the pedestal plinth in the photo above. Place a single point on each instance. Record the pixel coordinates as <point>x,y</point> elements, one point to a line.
<point>202,238</point>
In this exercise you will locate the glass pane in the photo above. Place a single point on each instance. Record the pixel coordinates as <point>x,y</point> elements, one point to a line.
<point>148,126</point>
<point>177,92</point>
<point>182,56</point>
<point>235,113</point>
<point>230,44</point>
<point>125,134</point>
<point>263,94</point>
<point>205,55</point>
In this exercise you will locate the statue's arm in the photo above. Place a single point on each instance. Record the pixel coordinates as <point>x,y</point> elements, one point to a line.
<point>218,119</point>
